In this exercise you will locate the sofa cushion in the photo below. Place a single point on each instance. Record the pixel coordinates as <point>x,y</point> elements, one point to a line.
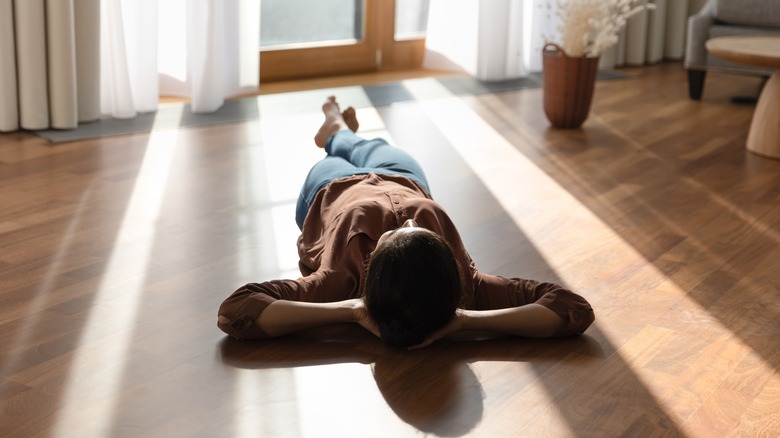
<point>761,13</point>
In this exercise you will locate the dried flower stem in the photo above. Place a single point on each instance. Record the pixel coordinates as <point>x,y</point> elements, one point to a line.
<point>588,27</point>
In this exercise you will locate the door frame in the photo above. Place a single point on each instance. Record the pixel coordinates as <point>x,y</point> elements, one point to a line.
<point>378,51</point>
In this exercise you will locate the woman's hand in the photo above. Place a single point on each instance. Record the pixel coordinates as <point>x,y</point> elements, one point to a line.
<point>362,317</point>
<point>456,324</point>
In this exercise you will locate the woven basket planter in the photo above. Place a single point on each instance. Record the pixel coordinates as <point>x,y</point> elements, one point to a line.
<point>568,86</point>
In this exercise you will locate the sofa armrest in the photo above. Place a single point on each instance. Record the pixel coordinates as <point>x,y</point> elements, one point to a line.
<point>698,34</point>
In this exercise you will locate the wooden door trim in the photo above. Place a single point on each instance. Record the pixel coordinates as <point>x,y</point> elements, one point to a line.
<point>362,57</point>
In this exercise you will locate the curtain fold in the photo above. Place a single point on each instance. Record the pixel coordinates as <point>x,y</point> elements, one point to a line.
<point>209,50</point>
<point>47,64</point>
<point>87,23</point>
<point>653,35</point>
<point>205,50</point>
<point>116,97</point>
<point>9,110</point>
<point>30,25</point>
<point>206,36</point>
<point>63,62</point>
<point>61,58</point>
<point>142,36</point>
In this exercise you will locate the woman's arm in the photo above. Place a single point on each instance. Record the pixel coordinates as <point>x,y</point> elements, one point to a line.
<point>282,317</point>
<point>292,305</point>
<point>495,292</point>
<point>530,321</point>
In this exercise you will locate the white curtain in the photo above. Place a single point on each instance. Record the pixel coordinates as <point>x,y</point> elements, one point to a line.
<point>48,63</point>
<point>206,50</point>
<point>63,62</point>
<point>503,39</point>
<point>491,40</point>
<point>654,35</point>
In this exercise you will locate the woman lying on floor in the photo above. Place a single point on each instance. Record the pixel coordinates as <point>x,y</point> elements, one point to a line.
<point>376,250</point>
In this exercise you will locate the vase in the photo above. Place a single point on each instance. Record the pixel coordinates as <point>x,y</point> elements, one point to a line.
<point>568,83</point>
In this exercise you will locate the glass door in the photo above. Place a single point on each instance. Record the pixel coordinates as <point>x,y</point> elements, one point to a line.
<point>316,38</point>
<point>307,23</point>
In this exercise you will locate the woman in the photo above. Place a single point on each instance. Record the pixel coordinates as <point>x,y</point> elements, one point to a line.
<point>376,250</point>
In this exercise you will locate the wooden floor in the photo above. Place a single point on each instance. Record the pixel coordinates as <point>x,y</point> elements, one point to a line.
<point>116,252</point>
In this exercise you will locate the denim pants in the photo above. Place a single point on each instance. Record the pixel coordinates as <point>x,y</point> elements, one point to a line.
<point>350,155</point>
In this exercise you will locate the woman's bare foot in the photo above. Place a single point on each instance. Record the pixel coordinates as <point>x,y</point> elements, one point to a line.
<point>334,122</point>
<point>350,117</point>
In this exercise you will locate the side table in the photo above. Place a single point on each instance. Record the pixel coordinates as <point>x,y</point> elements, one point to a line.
<point>760,51</point>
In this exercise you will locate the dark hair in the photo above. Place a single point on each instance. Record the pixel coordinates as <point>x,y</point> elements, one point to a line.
<point>413,287</point>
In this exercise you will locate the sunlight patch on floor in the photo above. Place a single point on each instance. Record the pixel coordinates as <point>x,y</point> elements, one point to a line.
<point>273,172</point>
<point>272,175</point>
<point>355,404</point>
<point>49,283</point>
<point>255,416</point>
<point>562,229</point>
<point>97,370</point>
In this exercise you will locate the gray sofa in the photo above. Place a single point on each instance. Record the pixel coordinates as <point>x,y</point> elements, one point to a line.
<point>720,18</point>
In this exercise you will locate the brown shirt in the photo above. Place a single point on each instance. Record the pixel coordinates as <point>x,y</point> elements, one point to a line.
<point>344,223</point>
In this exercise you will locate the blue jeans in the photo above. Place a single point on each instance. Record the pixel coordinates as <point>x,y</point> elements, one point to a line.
<point>350,155</point>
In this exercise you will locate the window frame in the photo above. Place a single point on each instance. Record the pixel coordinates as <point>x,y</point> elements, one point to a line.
<point>378,51</point>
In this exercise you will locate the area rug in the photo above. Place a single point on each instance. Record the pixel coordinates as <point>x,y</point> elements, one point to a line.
<point>171,116</point>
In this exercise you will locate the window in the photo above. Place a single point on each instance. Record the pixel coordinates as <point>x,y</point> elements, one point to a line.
<point>307,38</point>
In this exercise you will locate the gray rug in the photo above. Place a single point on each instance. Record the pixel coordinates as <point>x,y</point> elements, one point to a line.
<point>166,117</point>
<point>246,109</point>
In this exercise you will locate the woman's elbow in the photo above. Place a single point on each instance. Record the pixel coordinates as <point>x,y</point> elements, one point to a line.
<point>240,328</point>
<point>577,322</point>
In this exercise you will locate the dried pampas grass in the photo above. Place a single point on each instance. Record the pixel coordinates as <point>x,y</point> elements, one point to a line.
<point>588,27</point>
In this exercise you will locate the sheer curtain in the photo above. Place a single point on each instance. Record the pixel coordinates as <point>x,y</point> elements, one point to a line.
<point>206,50</point>
<point>64,62</point>
<point>491,40</point>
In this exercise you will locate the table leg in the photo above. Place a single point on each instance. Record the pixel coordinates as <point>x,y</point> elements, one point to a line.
<point>764,136</point>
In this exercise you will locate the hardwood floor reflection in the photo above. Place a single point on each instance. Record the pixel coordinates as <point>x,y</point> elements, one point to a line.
<point>653,210</point>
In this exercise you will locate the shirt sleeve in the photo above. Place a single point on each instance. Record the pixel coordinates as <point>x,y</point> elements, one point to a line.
<point>495,292</point>
<point>238,313</point>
